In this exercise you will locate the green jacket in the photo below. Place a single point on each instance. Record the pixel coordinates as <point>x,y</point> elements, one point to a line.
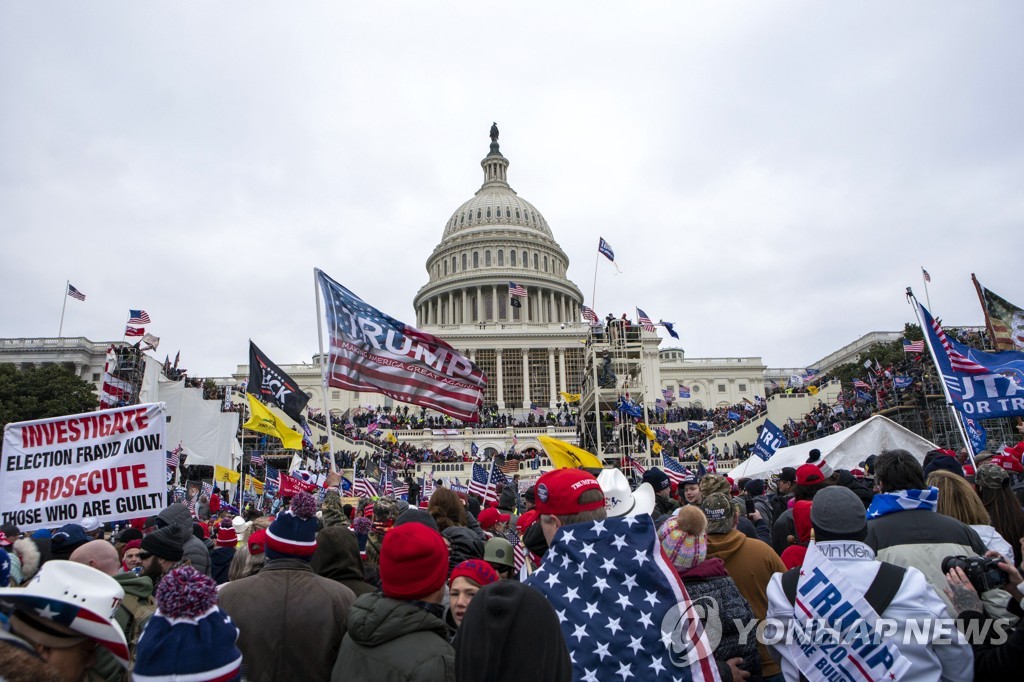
<point>393,641</point>
<point>138,592</point>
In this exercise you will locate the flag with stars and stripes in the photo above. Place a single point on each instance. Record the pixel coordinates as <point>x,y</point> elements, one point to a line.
<point>498,478</point>
<point>516,289</point>
<point>645,321</point>
<point>589,315</point>
<point>713,462</point>
<point>364,487</point>
<point>373,352</point>
<point>674,470</point>
<point>479,483</point>
<point>257,460</point>
<point>623,610</point>
<point>174,458</point>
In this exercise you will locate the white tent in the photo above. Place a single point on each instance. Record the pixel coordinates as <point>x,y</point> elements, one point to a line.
<point>843,450</point>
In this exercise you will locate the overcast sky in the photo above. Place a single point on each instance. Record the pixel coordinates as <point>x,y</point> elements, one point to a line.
<point>771,175</point>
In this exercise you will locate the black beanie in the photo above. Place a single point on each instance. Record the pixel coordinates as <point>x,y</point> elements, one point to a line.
<point>166,543</point>
<point>505,619</point>
<point>534,540</point>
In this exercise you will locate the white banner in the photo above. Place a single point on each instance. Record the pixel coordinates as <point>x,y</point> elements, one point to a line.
<point>445,432</point>
<point>110,465</point>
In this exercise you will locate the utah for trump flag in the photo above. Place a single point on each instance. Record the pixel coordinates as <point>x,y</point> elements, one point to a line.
<point>622,607</point>
<point>373,352</point>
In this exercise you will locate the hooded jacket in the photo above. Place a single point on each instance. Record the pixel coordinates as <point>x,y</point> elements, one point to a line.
<point>464,545</point>
<point>337,558</point>
<point>793,555</point>
<point>393,641</point>
<point>178,515</point>
<point>220,563</point>
<point>751,563</point>
<point>504,620</point>
<point>709,585</point>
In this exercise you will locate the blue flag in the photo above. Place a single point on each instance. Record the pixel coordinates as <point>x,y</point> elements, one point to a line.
<point>864,396</point>
<point>735,416</point>
<point>902,382</point>
<point>670,328</point>
<point>770,440</point>
<point>622,608</point>
<point>346,485</point>
<point>606,249</point>
<point>695,426</point>
<point>630,408</point>
<point>983,391</point>
<point>976,434</point>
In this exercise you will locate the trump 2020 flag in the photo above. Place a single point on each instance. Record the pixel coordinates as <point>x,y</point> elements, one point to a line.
<point>622,607</point>
<point>981,385</point>
<point>371,351</point>
<point>770,440</point>
<point>272,385</point>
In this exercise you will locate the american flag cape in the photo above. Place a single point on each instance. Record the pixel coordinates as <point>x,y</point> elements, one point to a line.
<point>373,352</point>
<point>622,607</point>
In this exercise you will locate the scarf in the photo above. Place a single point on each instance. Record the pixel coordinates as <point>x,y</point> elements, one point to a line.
<point>903,500</point>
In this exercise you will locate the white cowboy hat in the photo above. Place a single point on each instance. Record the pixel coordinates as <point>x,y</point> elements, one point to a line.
<point>74,597</point>
<point>619,500</point>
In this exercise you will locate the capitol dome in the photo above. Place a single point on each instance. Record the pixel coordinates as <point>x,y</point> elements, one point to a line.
<point>494,238</point>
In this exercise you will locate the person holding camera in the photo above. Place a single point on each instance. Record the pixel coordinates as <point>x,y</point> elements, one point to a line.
<point>1001,655</point>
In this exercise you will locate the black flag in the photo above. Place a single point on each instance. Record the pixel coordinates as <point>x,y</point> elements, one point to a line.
<point>515,302</point>
<point>273,386</point>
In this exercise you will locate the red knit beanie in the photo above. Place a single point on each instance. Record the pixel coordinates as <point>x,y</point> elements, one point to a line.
<point>413,562</point>
<point>226,535</point>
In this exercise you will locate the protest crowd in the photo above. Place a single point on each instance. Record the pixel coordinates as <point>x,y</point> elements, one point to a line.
<point>576,575</point>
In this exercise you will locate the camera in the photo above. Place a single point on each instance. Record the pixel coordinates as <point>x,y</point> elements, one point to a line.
<point>983,572</point>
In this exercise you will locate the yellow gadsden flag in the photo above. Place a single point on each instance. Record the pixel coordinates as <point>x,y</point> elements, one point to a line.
<point>225,475</point>
<point>567,456</point>
<point>264,421</point>
<point>570,397</point>
<point>813,390</point>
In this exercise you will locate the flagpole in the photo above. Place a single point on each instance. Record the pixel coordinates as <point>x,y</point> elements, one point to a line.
<point>938,368</point>
<point>323,370</point>
<point>924,278</point>
<point>60,331</point>
<point>593,293</point>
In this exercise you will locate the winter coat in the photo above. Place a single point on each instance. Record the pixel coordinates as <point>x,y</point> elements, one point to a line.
<point>922,539</point>
<point>782,530</point>
<point>337,558</point>
<point>709,584</point>
<point>997,662</point>
<point>751,564</point>
<point>463,544</point>
<point>764,508</point>
<point>393,641</point>
<point>847,480</point>
<point>509,499</point>
<point>290,620</point>
<point>779,503</point>
<point>137,589</point>
<point>179,516</point>
<point>664,505</point>
<point>220,562</point>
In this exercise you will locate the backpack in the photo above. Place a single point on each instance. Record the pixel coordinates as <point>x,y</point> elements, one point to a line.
<point>879,595</point>
<point>139,612</point>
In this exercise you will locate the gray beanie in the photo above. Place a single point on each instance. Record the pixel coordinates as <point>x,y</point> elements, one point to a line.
<point>838,511</point>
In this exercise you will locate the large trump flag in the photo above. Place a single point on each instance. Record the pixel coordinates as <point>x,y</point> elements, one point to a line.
<point>371,351</point>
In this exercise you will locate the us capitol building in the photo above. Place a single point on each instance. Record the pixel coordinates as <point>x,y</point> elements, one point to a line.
<point>529,352</point>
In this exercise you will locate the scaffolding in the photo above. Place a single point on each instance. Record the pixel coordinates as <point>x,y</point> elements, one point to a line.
<point>123,373</point>
<point>613,370</point>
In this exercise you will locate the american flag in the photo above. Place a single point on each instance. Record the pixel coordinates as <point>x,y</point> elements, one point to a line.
<point>637,467</point>
<point>684,391</point>
<point>498,478</point>
<point>173,458</point>
<point>138,317</point>
<point>589,315</point>
<point>516,289</point>
<point>272,474</point>
<point>75,293</point>
<point>676,472</point>
<point>478,485</point>
<point>135,331</point>
<point>257,460</point>
<point>668,393</point>
<point>387,482</point>
<point>644,321</point>
<point>927,277</point>
<point>518,551</point>
<point>364,487</point>
<point>539,411</point>
<point>913,346</point>
<point>400,488</point>
<point>958,361</point>
<point>713,462</point>
<point>627,592</point>
<point>509,466</point>
<point>857,383</point>
<point>410,366</point>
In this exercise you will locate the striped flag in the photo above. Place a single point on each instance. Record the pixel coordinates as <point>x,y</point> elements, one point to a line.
<point>589,315</point>
<point>927,277</point>
<point>510,467</point>
<point>637,467</point>
<point>75,293</point>
<point>478,484</point>
<point>134,331</point>
<point>138,317</point>
<point>516,289</point>
<point>257,460</point>
<point>713,463</point>
<point>644,321</point>
<point>857,383</point>
<point>497,478</point>
<point>411,366</point>
<point>518,552</point>
<point>913,346</point>
<point>364,487</point>
<point>174,458</point>
<point>958,361</point>
<point>675,471</point>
